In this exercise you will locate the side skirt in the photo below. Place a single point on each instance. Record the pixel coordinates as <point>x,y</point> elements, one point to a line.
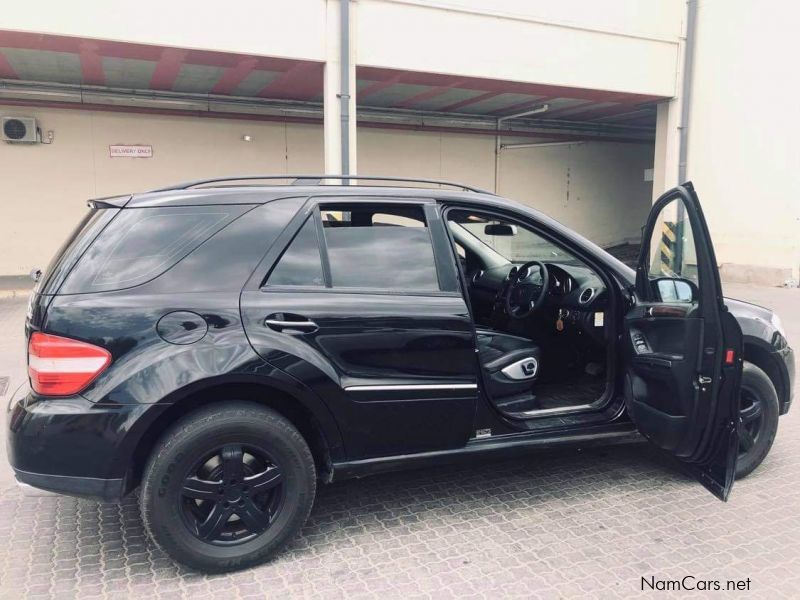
<point>504,446</point>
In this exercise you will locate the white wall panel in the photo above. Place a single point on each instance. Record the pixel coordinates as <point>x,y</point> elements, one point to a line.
<point>46,186</point>
<point>743,132</point>
<point>624,51</point>
<point>284,28</point>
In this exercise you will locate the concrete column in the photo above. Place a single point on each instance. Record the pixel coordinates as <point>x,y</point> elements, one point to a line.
<point>332,123</point>
<point>668,130</point>
<point>665,161</point>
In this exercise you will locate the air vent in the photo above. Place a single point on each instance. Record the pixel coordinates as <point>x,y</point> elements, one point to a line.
<point>478,274</point>
<point>20,130</point>
<point>586,295</point>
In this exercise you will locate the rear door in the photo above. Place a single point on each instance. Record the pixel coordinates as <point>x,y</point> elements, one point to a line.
<point>360,302</point>
<point>683,349</point>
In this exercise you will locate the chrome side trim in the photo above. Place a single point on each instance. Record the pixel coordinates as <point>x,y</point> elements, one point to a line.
<point>553,411</point>
<point>290,324</point>
<point>411,386</point>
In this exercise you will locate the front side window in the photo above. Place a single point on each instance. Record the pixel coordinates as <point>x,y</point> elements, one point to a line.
<point>672,268</point>
<point>380,247</point>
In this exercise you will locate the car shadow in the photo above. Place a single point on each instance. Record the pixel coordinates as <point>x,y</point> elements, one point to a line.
<point>105,544</point>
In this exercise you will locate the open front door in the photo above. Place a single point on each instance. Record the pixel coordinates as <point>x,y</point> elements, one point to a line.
<point>682,347</point>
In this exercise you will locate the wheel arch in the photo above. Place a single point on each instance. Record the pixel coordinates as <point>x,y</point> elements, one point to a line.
<point>760,354</point>
<point>315,423</point>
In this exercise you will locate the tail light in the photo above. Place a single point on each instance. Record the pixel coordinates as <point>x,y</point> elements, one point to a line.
<point>59,366</point>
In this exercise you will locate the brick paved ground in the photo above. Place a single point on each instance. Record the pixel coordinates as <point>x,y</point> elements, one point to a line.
<point>555,525</point>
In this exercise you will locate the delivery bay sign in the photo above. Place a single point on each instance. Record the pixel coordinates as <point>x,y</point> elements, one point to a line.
<point>130,151</point>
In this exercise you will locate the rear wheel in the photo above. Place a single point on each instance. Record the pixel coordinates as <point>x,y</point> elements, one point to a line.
<point>227,486</point>
<point>759,413</point>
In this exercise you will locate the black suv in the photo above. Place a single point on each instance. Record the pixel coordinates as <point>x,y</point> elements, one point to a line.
<point>226,346</point>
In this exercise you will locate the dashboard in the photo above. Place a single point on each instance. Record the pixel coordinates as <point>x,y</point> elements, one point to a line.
<point>576,295</point>
<point>571,286</point>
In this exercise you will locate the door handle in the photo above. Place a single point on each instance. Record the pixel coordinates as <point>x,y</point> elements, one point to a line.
<point>306,326</point>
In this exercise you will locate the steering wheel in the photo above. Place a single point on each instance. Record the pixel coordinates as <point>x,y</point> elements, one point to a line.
<point>525,297</point>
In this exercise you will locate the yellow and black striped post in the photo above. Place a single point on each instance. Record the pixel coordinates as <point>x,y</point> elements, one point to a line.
<point>670,249</point>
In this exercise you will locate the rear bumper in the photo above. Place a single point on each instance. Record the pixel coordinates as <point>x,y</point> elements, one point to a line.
<point>68,445</point>
<point>82,487</point>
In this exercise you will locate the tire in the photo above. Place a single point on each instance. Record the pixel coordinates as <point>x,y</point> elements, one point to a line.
<point>756,442</point>
<point>192,499</point>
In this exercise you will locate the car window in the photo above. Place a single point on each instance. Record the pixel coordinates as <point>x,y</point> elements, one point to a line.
<point>141,244</point>
<point>301,263</point>
<point>514,243</point>
<point>396,220</point>
<point>672,256</point>
<point>379,247</point>
<point>672,252</point>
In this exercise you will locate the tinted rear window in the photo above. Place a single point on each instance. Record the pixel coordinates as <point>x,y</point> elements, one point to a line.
<point>82,235</point>
<point>140,244</point>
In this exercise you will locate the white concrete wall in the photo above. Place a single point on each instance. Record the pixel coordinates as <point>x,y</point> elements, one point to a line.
<point>598,189</point>
<point>464,158</point>
<point>743,134</point>
<point>46,186</point>
<point>618,45</point>
<point>283,28</point>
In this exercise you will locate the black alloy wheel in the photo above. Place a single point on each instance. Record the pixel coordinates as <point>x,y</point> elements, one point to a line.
<point>758,410</point>
<point>227,486</point>
<point>752,415</point>
<point>232,495</point>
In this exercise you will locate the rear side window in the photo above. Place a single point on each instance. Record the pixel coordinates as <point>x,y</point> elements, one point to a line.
<point>140,244</point>
<point>301,263</point>
<point>379,247</point>
<point>92,223</point>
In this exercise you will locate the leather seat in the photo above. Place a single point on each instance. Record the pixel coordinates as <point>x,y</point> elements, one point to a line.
<point>510,363</point>
<point>497,350</point>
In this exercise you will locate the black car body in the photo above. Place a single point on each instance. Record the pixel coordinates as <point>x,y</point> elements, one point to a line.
<point>373,378</point>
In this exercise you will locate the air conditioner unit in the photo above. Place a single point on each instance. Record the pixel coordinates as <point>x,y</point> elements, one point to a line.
<point>20,130</point>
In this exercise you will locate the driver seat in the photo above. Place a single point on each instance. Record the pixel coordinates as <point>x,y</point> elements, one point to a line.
<point>510,364</point>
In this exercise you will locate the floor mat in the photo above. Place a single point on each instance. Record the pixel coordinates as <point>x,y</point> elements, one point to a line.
<point>582,390</point>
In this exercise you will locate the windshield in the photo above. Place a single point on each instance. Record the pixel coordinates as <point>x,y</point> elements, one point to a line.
<point>516,244</point>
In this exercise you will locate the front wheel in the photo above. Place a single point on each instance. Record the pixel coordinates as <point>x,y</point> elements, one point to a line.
<point>227,487</point>
<point>759,413</point>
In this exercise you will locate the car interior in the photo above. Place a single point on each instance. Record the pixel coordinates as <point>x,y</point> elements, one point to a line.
<point>539,314</point>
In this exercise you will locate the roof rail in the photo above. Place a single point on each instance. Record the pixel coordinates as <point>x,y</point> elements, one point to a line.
<point>317,180</point>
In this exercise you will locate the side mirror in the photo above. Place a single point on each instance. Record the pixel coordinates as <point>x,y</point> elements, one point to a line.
<point>501,229</point>
<point>675,290</point>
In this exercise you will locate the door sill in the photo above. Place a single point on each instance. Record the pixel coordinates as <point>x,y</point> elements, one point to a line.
<point>550,412</point>
<point>561,411</point>
<point>490,447</point>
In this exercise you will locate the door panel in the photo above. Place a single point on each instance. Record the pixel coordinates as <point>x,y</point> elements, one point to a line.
<point>662,375</point>
<point>398,372</point>
<point>682,349</point>
<point>396,368</point>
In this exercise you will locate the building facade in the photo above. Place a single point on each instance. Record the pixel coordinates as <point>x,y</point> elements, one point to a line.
<point>576,108</point>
